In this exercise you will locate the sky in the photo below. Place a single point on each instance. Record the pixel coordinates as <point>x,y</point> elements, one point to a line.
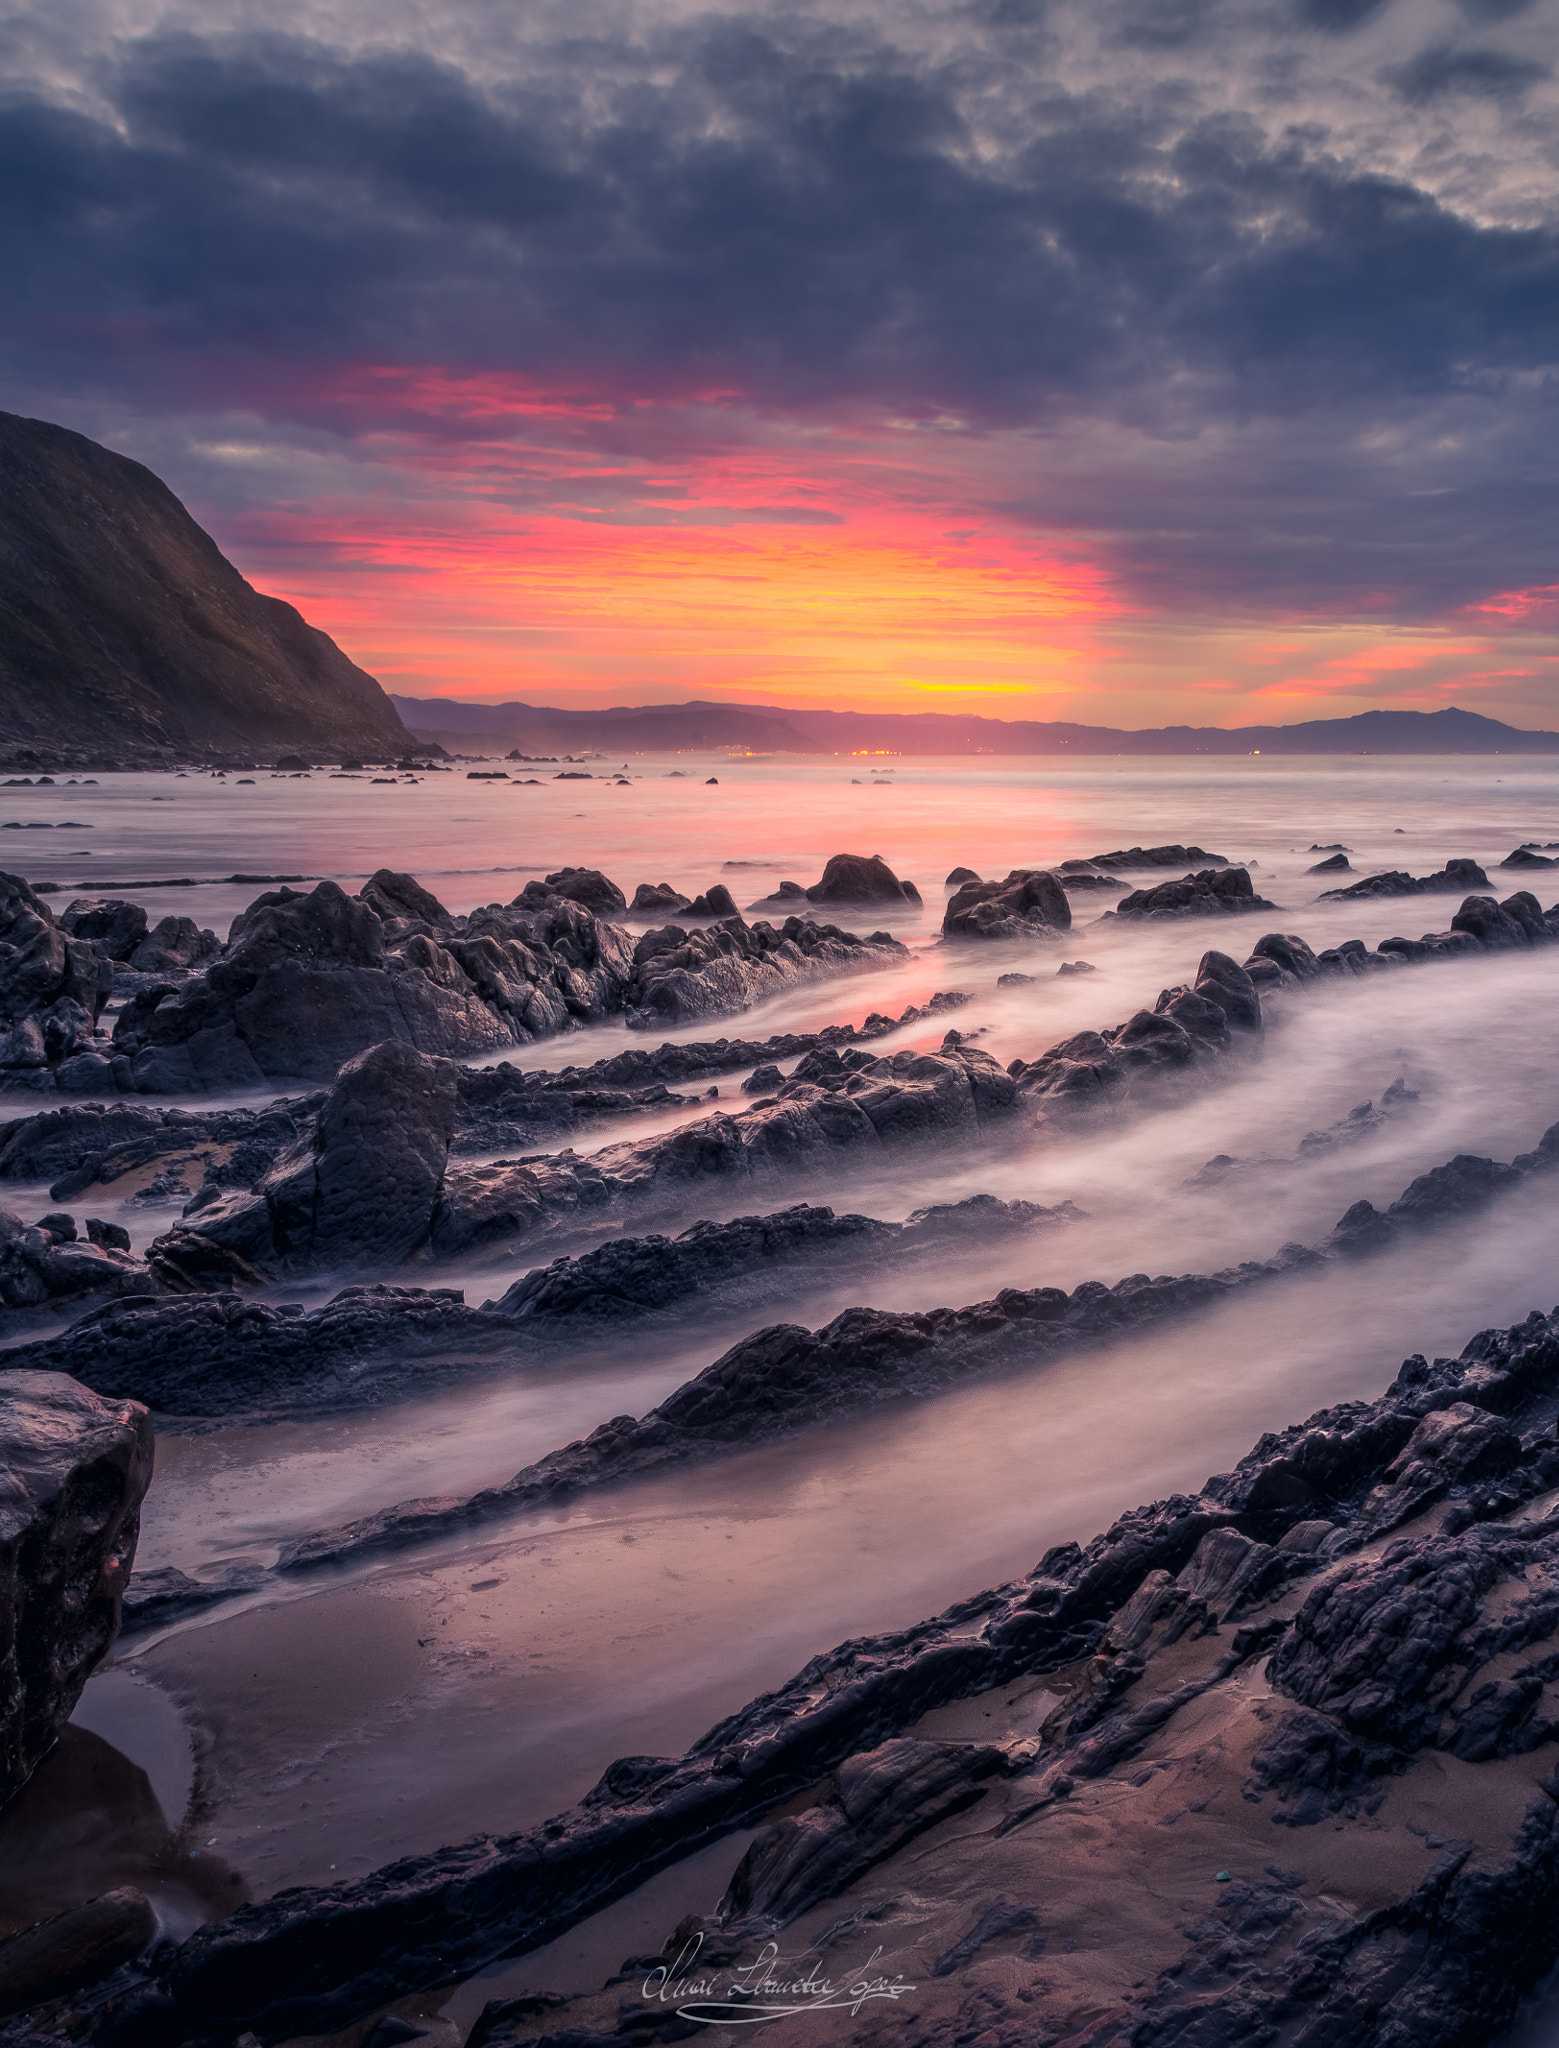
<point>1133,361</point>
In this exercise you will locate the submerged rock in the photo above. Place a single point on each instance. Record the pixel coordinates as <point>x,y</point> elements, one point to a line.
<point>73,1471</point>
<point>1155,857</point>
<point>861,878</point>
<point>1211,892</point>
<point>1456,874</point>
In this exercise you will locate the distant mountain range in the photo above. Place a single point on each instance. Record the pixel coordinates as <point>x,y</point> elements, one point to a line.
<point>779,729</point>
<point>126,633</point>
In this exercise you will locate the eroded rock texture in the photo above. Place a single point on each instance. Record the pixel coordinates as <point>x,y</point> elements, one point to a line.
<point>73,1471</point>
<point>309,979</point>
<point>1029,903</point>
<point>1328,1680</point>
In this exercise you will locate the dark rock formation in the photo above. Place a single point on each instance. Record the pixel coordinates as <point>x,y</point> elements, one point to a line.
<point>1413,1682</point>
<point>308,981</point>
<point>1212,892</point>
<point>71,1950</point>
<point>680,976</point>
<point>174,945</point>
<point>1339,864</point>
<point>206,1354</point>
<point>629,1276</point>
<point>836,1105</point>
<point>786,1378</point>
<point>93,1145</point>
<point>73,1470</point>
<point>1029,904</point>
<point>1456,874</point>
<point>958,877</point>
<point>123,627</point>
<point>52,988</point>
<point>40,1266</point>
<point>587,886</point>
<point>1188,1030</point>
<point>657,897</point>
<point>1528,857</point>
<point>358,1191</point>
<point>861,878</point>
<point>114,927</point>
<point>1156,857</point>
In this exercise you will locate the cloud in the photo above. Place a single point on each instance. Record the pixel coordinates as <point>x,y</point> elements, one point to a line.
<point>1257,299</point>
<point>1446,68</point>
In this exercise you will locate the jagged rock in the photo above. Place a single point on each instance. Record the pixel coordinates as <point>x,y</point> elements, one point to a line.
<point>1210,892</point>
<point>52,986</point>
<point>1029,903</point>
<point>589,887</point>
<point>174,945</point>
<point>658,896</point>
<point>1339,864</point>
<point>627,1277</point>
<point>359,1190</point>
<point>307,982</point>
<point>38,1269</point>
<point>715,902</point>
<point>1154,857</point>
<point>860,878</point>
<point>114,927</point>
<point>1188,1028</point>
<point>1528,857</point>
<point>834,1104</point>
<point>681,976</point>
<point>94,1144</point>
<point>220,1354</point>
<point>1456,874</point>
<point>1439,1954</point>
<point>73,1471</point>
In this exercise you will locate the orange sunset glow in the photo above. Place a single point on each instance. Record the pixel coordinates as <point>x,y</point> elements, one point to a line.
<point>575,545</point>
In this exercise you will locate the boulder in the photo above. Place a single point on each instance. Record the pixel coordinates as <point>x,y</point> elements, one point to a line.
<point>1528,857</point>
<point>715,902</point>
<point>1155,857</point>
<point>1339,864</point>
<point>861,878</point>
<point>115,927</point>
<point>1456,874</point>
<point>589,887</point>
<point>1030,903</point>
<point>358,1191</point>
<point>1212,892</point>
<point>39,1268</point>
<point>958,877</point>
<point>174,945</point>
<point>655,897</point>
<point>73,1471</point>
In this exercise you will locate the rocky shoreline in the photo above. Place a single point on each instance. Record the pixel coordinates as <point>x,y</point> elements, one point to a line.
<point>1347,1632</point>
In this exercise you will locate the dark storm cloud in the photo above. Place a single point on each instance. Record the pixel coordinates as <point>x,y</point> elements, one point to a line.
<point>1443,68</point>
<point>801,212</point>
<point>1181,243</point>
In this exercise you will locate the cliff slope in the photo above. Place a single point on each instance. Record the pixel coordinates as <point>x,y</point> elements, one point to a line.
<point>123,626</point>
